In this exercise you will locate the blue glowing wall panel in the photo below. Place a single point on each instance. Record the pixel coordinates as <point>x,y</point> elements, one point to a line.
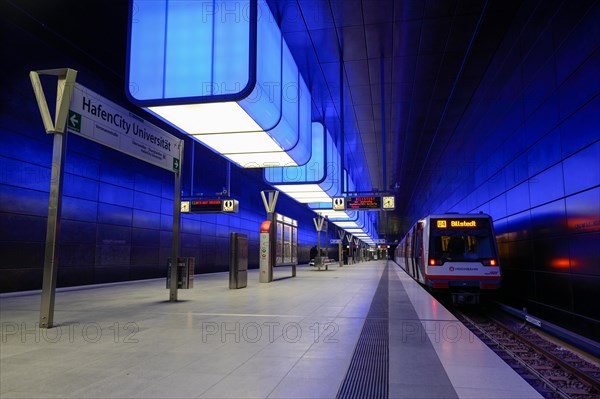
<point>533,132</point>
<point>191,49</point>
<point>193,52</point>
<point>291,130</point>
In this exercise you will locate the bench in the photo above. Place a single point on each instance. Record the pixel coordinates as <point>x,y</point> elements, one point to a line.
<point>321,261</point>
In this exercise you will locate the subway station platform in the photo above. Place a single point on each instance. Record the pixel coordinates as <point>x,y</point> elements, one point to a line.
<point>364,330</point>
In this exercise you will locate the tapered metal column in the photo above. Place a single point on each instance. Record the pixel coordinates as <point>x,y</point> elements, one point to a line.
<point>64,93</point>
<point>53,231</point>
<point>269,198</point>
<point>350,250</point>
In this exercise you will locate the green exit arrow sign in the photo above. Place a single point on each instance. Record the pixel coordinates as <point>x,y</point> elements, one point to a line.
<point>74,121</point>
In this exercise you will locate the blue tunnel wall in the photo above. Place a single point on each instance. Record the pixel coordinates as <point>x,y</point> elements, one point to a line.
<point>117,211</point>
<point>527,151</point>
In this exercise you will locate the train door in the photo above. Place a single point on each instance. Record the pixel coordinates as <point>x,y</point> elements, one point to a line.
<point>405,254</point>
<point>409,254</point>
<point>419,264</point>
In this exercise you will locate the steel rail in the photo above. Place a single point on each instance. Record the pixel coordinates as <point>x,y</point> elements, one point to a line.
<point>594,383</point>
<point>549,384</point>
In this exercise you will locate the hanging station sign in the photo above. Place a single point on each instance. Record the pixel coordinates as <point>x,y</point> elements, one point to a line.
<point>98,119</point>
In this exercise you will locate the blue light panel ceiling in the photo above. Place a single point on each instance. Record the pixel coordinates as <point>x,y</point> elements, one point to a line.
<point>221,72</point>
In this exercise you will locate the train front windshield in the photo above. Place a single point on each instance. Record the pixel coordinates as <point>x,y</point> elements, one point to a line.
<point>461,240</point>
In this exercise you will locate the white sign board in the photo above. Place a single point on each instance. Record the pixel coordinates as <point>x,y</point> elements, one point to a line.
<point>96,118</point>
<point>230,205</point>
<point>335,241</point>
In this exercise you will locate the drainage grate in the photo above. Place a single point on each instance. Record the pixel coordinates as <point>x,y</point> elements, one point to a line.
<point>367,375</point>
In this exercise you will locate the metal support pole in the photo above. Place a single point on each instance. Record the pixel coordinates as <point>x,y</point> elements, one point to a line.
<point>53,231</point>
<point>384,185</point>
<point>176,229</point>
<point>350,251</point>
<point>383,141</point>
<point>319,223</point>
<point>342,125</point>
<point>229,178</point>
<point>192,167</point>
<point>326,224</point>
<point>387,220</point>
<point>319,243</point>
<point>341,235</point>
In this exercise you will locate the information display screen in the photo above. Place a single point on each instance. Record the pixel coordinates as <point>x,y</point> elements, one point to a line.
<point>456,223</point>
<point>364,203</point>
<point>206,206</point>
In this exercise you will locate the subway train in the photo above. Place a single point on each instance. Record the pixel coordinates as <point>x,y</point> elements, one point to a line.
<point>453,253</point>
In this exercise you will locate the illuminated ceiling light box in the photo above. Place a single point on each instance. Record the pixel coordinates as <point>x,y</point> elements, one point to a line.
<point>354,230</point>
<point>333,215</point>
<point>346,224</point>
<point>357,222</point>
<point>221,72</point>
<point>362,227</point>
<point>316,181</point>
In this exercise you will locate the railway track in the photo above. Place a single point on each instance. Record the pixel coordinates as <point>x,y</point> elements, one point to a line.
<point>551,369</point>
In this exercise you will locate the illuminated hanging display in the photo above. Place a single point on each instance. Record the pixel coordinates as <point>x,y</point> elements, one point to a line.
<point>221,72</point>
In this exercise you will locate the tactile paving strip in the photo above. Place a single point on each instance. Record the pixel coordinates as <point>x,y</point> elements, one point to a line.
<point>367,375</point>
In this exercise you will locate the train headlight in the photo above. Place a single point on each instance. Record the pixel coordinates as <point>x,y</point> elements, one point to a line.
<point>489,262</point>
<point>435,262</point>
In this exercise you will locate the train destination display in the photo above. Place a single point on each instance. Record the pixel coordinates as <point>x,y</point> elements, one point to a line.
<point>363,203</point>
<point>443,224</point>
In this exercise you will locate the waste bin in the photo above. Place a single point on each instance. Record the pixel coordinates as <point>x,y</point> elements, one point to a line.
<point>185,273</point>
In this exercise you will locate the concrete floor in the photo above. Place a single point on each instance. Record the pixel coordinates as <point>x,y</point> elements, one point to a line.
<point>293,338</point>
